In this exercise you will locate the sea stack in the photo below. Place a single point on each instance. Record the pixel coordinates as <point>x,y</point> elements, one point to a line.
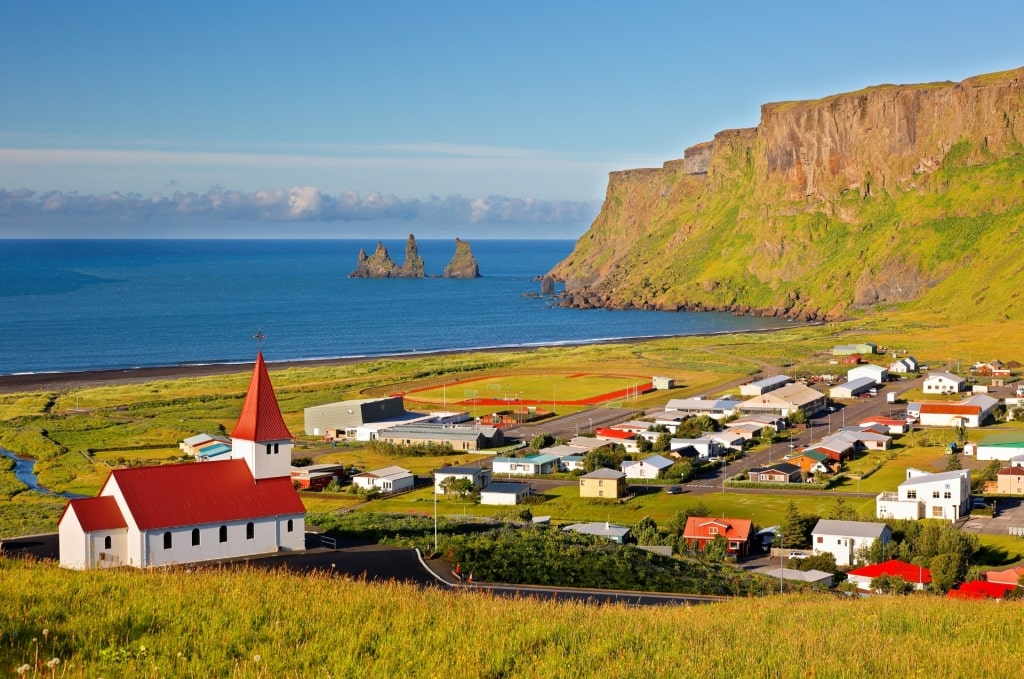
<point>380,264</point>
<point>463,264</point>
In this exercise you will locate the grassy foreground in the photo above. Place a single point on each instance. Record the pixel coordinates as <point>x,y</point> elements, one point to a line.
<point>256,624</point>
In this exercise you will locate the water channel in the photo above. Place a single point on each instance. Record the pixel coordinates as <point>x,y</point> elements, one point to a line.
<point>23,471</point>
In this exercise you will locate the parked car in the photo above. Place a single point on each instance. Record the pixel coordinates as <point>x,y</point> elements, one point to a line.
<point>674,490</point>
<point>978,503</point>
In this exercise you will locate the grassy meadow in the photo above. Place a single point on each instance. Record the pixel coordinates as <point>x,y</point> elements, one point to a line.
<point>242,623</point>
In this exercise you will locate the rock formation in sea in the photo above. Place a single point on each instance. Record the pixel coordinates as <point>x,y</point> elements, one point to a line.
<point>463,264</point>
<point>380,264</point>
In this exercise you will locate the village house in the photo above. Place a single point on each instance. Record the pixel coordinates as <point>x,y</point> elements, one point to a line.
<point>918,576</point>
<point>1010,481</point>
<point>845,539</point>
<point>627,440</point>
<point>187,513</point>
<point>811,577</point>
<point>705,447</point>
<point>811,461</point>
<point>853,388</point>
<point>1006,576</point>
<point>945,495</point>
<point>943,383</point>
<point>782,472</point>
<point>386,480</point>
<point>652,467</point>
<point>891,425</point>
<point>907,364</point>
<point>192,445</point>
<point>638,428</point>
<point>499,493</point>
<point>877,373</point>
<point>733,439</point>
<point>480,477</point>
<point>603,483</point>
<point>538,463</point>
<point>700,530</point>
<point>317,476</point>
<point>617,534</point>
<point>979,589</point>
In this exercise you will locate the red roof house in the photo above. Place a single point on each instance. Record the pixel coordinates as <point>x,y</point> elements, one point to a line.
<point>918,576</point>
<point>979,589</point>
<point>191,512</point>
<point>1009,576</point>
<point>700,530</point>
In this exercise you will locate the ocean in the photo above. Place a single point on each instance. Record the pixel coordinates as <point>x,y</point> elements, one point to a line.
<point>74,305</point>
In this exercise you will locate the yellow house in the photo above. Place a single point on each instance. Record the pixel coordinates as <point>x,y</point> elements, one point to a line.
<point>603,482</point>
<point>1010,481</point>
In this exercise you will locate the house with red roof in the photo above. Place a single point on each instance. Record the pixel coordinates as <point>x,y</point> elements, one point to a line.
<point>700,530</point>
<point>1008,576</point>
<point>186,513</point>
<point>917,576</point>
<point>979,589</point>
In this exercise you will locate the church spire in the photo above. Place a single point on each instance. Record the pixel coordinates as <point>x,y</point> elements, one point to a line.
<point>261,416</point>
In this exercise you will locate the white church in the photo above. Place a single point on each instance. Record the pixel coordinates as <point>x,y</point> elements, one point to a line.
<point>186,513</point>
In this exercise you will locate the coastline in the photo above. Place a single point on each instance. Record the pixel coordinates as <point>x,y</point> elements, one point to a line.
<point>60,381</point>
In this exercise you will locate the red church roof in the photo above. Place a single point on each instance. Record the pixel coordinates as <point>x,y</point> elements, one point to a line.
<point>201,493</point>
<point>261,416</point>
<point>907,571</point>
<point>96,513</point>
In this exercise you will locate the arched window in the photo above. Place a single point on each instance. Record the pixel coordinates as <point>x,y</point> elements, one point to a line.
<point>195,537</point>
<point>289,525</point>
<point>107,542</point>
<point>167,540</point>
<point>250,531</point>
<point>223,533</point>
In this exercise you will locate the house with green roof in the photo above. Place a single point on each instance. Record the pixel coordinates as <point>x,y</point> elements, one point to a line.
<point>1002,446</point>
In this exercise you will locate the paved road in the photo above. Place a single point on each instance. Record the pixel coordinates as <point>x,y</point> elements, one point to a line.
<point>567,426</point>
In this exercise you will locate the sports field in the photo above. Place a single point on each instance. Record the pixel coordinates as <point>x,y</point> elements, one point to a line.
<point>543,390</point>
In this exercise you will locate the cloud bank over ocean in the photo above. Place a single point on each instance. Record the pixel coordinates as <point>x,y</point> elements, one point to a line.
<point>297,205</point>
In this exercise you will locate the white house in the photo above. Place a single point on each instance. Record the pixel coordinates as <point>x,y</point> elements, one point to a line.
<point>540,463</point>
<point>605,530</point>
<point>877,373</point>
<point>843,539</point>
<point>945,495</point>
<point>970,412</point>
<point>943,383</point>
<point>386,480</point>
<point>907,364</point>
<point>704,447</point>
<point>853,388</point>
<point>785,401</point>
<point>649,468</point>
<point>187,513</point>
<point>480,477</point>
<point>504,493</point>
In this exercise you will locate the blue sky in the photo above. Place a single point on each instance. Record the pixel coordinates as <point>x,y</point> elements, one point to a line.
<point>461,118</point>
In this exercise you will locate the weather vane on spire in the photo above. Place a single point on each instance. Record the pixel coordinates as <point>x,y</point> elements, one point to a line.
<point>259,337</point>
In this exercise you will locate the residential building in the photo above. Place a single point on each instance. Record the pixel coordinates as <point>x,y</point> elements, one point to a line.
<point>479,476</point>
<point>700,530</point>
<point>907,364</point>
<point>892,425</point>
<point>1006,576</point>
<point>193,444</point>
<point>980,589</point>
<point>622,438</point>
<point>785,401</point>
<point>782,472</point>
<point>188,513</point>
<point>945,495</point>
<point>918,576</point>
<point>648,468</point>
<point>853,388</point>
<point>704,447</point>
<point>811,461</point>
<point>603,483</point>
<point>386,480</point>
<point>504,493</point>
<point>845,539</point>
<point>811,577</point>
<point>1010,481</point>
<point>617,534</point>
<point>317,476</point>
<point>943,383</point>
<point>538,463</point>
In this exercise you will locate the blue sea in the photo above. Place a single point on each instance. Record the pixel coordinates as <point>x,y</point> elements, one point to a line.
<point>73,305</point>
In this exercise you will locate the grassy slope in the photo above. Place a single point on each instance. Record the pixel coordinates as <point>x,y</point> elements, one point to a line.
<point>252,624</point>
<point>733,244</point>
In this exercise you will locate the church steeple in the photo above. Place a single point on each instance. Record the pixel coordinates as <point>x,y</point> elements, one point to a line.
<point>261,437</point>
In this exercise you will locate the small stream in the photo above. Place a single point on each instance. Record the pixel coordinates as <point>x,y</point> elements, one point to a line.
<point>23,472</point>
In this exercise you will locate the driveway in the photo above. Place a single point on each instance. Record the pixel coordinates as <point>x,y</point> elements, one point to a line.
<point>1009,515</point>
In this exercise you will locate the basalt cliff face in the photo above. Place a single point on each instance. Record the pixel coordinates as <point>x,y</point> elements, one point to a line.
<point>909,194</point>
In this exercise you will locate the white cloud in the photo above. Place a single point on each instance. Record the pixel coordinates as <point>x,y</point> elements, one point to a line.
<point>300,203</point>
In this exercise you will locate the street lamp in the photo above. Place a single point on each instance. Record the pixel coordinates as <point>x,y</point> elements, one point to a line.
<point>724,463</point>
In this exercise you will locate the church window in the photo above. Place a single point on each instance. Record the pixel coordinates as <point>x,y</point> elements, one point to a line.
<point>250,531</point>
<point>195,537</point>
<point>167,540</point>
<point>107,542</point>
<point>223,533</point>
<point>290,525</point>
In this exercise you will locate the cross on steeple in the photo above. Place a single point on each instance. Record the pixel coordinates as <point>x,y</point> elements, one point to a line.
<point>259,337</point>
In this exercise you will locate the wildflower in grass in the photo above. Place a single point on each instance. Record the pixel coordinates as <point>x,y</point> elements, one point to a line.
<point>23,669</point>
<point>257,658</point>
<point>52,663</point>
<point>46,635</point>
